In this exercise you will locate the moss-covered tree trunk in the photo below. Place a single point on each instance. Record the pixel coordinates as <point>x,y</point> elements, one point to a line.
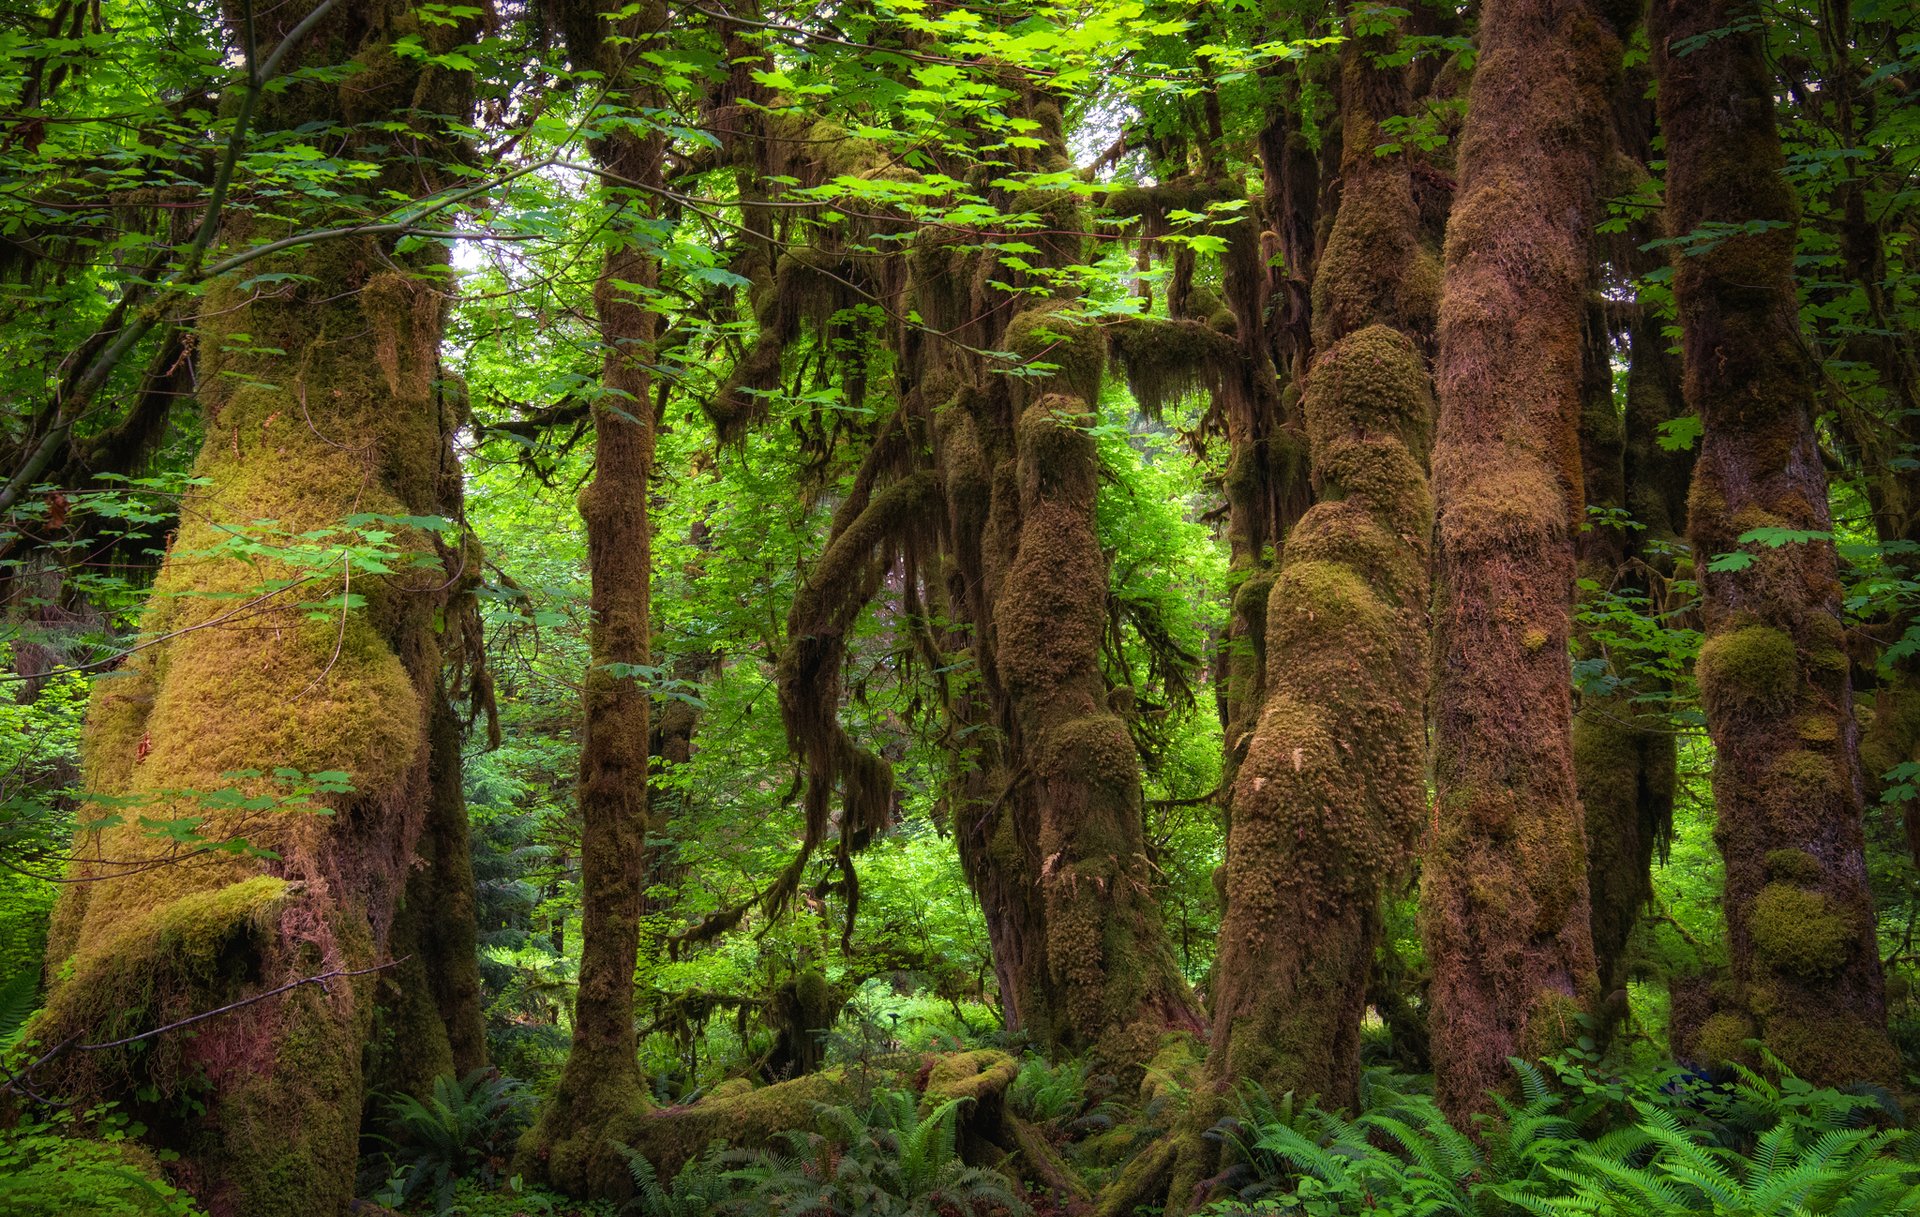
<point>430,1020</point>
<point>600,1085</point>
<point>1504,889</point>
<point>1773,668</point>
<point>1332,792</point>
<point>1054,839</point>
<point>1623,747</point>
<point>321,402</point>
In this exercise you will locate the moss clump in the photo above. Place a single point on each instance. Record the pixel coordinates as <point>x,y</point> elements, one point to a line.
<point>1800,931</point>
<point>1049,334</point>
<point>1753,670</point>
<point>974,1076</point>
<point>155,969</point>
<point>1793,866</point>
<point>1723,1039</point>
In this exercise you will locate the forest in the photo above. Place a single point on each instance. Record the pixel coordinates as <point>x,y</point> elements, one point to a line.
<point>953,608</point>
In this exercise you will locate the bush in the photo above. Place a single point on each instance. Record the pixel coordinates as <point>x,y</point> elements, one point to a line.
<point>51,1169</point>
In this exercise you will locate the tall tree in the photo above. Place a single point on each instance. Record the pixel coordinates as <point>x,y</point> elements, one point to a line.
<point>1326,805</point>
<point>600,1085</point>
<point>1504,890</point>
<point>321,405</point>
<point>1774,674</point>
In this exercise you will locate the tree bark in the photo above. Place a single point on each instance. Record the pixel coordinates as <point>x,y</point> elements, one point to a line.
<point>1774,674</point>
<point>572,1144</point>
<point>1504,889</point>
<point>1330,798</point>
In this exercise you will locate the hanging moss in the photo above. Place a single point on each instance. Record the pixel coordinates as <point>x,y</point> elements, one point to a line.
<point>1167,359</point>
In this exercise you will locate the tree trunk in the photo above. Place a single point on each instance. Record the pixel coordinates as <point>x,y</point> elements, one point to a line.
<point>1773,669</point>
<point>1053,838</point>
<point>321,402</point>
<point>1332,793</point>
<point>600,1088</point>
<point>1504,890</point>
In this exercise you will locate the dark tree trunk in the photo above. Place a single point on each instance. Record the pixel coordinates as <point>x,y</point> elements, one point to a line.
<point>1504,889</point>
<point>1773,669</point>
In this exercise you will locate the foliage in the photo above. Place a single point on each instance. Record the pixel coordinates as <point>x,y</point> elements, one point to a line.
<point>889,1160</point>
<point>465,1128</point>
<point>1045,1093</point>
<point>1587,1142</point>
<point>87,1162</point>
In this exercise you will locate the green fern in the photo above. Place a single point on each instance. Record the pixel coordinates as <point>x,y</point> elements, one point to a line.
<point>1589,1146</point>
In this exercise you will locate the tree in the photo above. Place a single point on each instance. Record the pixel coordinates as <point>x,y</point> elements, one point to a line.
<point>1504,888</point>
<point>1774,674</point>
<point>290,637</point>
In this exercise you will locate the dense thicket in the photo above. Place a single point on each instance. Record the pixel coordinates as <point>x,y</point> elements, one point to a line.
<point>966,608</point>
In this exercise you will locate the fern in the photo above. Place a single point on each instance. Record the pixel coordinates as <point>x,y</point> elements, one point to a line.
<point>1592,1146</point>
<point>17,993</point>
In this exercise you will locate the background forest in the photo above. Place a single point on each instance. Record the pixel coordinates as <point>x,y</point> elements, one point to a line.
<point>905,607</point>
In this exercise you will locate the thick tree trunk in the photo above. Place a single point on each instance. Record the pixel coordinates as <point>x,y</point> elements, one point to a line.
<point>1504,890</point>
<point>1332,793</point>
<point>321,402</point>
<point>1053,836</point>
<point>1773,669</point>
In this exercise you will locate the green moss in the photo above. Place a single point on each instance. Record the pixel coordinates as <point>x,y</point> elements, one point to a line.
<point>1723,1038</point>
<point>1048,334</point>
<point>974,1076</point>
<point>1799,931</point>
<point>1794,866</point>
<point>1752,670</point>
<point>160,967</point>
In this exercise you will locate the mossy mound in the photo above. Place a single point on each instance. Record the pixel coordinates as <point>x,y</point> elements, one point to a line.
<point>1752,670</point>
<point>981,1074</point>
<point>1801,932</point>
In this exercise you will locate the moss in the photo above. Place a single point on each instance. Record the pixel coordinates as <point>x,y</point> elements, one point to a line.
<point>159,967</point>
<point>1801,932</point>
<point>973,1076</point>
<point>1836,1045</point>
<point>1752,670</point>
<point>1723,1038</point>
<point>1168,359</point>
<point>1793,866</point>
<point>1049,334</point>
